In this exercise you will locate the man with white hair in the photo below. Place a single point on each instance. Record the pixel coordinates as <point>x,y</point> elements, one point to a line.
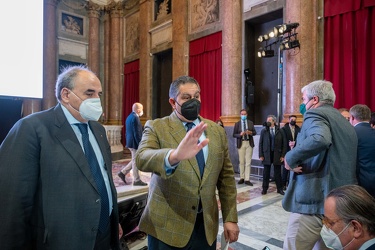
<point>324,158</point>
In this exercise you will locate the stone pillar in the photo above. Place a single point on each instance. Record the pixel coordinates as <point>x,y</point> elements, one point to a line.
<point>50,53</point>
<point>145,60</point>
<point>232,59</point>
<point>301,66</point>
<point>115,66</point>
<point>107,32</point>
<point>93,61</point>
<point>179,38</point>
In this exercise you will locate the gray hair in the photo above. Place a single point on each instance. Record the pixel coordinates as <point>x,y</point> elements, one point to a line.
<point>67,78</point>
<point>353,202</point>
<point>361,112</point>
<point>174,89</point>
<point>322,89</point>
<point>273,118</point>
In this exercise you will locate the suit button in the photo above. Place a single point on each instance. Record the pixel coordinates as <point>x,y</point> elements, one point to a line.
<point>193,207</point>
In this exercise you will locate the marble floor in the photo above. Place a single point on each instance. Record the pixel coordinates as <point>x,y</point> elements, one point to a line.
<point>262,220</point>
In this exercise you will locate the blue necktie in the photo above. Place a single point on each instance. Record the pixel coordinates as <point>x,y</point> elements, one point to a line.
<point>272,139</point>
<point>199,156</point>
<point>98,177</point>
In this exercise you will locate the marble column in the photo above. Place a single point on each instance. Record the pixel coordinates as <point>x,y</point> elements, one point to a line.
<point>50,53</point>
<point>179,38</point>
<point>93,61</point>
<point>115,67</point>
<point>145,58</point>
<point>106,97</point>
<point>232,59</point>
<point>301,66</point>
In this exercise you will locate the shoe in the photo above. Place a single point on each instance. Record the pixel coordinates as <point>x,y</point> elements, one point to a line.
<point>284,188</point>
<point>248,183</point>
<point>280,192</point>
<point>264,192</point>
<point>241,181</point>
<point>139,183</point>
<point>122,177</point>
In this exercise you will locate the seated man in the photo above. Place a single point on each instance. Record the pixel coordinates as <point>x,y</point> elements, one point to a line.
<point>349,219</point>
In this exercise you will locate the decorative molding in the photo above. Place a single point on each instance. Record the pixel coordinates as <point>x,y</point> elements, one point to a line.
<point>72,47</point>
<point>161,34</point>
<point>248,4</point>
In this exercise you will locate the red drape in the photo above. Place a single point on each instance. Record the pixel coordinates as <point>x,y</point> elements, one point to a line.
<point>131,91</point>
<point>349,53</point>
<point>205,66</point>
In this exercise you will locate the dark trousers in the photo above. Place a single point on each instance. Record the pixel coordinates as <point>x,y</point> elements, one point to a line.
<point>197,240</point>
<point>276,175</point>
<point>285,176</point>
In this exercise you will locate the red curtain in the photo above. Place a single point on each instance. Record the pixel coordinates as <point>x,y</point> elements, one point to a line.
<point>205,66</point>
<point>131,91</point>
<point>349,53</point>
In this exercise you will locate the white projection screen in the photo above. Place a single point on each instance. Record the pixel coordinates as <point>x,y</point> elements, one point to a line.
<point>21,49</point>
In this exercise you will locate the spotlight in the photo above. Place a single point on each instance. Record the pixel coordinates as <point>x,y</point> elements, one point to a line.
<point>263,38</point>
<point>289,45</point>
<point>278,30</point>
<point>268,53</point>
<point>287,27</point>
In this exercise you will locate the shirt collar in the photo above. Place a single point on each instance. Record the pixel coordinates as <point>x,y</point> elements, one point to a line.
<point>69,116</point>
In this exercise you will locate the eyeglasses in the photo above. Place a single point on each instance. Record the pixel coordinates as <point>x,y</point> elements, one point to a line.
<point>328,222</point>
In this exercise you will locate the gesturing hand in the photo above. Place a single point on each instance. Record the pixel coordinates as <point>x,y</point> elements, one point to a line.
<point>189,146</point>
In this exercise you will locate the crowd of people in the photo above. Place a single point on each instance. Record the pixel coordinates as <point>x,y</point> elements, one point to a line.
<point>59,191</point>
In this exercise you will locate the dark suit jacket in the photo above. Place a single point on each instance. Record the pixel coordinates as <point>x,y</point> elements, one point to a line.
<point>173,200</point>
<point>238,129</point>
<point>366,156</point>
<point>133,131</point>
<point>48,195</point>
<point>288,134</point>
<point>265,146</point>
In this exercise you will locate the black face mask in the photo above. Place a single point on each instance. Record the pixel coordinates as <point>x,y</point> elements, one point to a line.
<point>190,109</point>
<point>292,123</point>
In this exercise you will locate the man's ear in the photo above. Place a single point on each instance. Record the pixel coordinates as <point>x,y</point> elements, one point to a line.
<point>357,229</point>
<point>172,102</point>
<point>64,95</point>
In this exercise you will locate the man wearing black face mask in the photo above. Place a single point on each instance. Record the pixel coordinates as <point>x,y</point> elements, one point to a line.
<point>290,130</point>
<point>182,209</point>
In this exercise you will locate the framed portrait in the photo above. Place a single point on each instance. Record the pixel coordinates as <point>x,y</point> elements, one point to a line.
<point>72,24</point>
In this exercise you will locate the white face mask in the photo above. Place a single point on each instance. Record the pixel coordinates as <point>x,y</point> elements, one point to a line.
<point>90,109</point>
<point>140,113</point>
<point>331,239</point>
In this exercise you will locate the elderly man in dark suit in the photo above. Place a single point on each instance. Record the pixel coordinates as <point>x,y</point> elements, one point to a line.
<point>272,149</point>
<point>133,137</point>
<point>188,156</point>
<point>56,182</point>
<point>324,158</point>
<point>360,119</point>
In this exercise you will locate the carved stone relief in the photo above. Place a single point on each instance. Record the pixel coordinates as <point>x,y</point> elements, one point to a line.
<point>132,34</point>
<point>203,13</point>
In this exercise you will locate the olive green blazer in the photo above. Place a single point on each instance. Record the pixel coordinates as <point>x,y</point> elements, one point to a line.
<point>173,199</point>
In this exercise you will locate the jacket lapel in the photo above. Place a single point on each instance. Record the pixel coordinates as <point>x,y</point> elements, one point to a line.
<point>69,141</point>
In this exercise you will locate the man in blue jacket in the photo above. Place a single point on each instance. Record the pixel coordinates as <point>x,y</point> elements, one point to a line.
<point>360,119</point>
